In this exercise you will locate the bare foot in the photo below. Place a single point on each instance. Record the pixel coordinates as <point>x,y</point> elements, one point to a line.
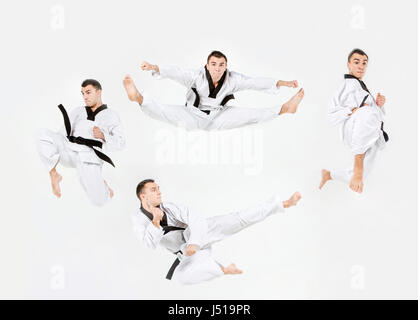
<point>131,90</point>
<point>110,190</point>
<point>356,183</point>
<point>55,182</point>
<point>326,176</point>
<point>292,105</point>
<point>293,200</point>
<point>231,269</point>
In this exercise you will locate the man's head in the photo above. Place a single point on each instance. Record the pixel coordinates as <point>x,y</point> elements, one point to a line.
<point>149,192</point>
<point>92,92</point>
<point>357,63</point>
<point>216,65</point>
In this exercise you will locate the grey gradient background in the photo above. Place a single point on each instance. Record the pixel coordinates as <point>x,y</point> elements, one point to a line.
<point>334,244</point>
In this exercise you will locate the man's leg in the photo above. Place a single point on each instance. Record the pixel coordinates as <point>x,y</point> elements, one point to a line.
<point>235,117</point>
<point>363,164</point>
<point>201,267</point>
<point>96,188</point>
<point>364,145</point>
<point>173,114</point>
<point>52,150</point>
<point>220,227</point>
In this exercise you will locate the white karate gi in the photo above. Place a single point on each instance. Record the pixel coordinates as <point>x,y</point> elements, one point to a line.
<point>54,147</point>
<point>202,232</point>
<point>360,131</point>
<point>221,116</point>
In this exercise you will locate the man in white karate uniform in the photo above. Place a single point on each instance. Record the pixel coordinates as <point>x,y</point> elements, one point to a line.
<point>361,118</point>
<point>190,237</point>
<point>86,131</point>
<point>209,91</point>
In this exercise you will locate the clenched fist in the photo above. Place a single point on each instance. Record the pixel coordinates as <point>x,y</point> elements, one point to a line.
<point>147,66</point>
<point>98,134</point>
<point>380,100</point>
<point>191,250</point>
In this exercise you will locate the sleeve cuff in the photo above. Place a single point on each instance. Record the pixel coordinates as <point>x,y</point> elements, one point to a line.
<point>274,89</point>
<point>159,75</point>
<point>279,203</point>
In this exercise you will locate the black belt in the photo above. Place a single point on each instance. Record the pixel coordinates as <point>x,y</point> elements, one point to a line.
<point>173,267</point>
<point>385,135</point>
<point>177,261</point>
<point>83,141</point>
<point>197,100</point>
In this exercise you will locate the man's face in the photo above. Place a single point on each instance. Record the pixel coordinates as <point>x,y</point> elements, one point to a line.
<point>357,65</point>
<point>91,95</point>
<point>216,67</point>
<point>151,194</point>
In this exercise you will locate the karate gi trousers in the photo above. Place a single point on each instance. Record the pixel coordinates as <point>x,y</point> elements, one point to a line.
<point>362,134</point>
<point>201,266</point>
<point>191,118</point>
<point>54,148</point>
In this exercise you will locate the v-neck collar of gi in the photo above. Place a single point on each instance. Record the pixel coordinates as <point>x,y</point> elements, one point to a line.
<point>213,91</point>
<point>150,216</point>
<point>363,85</point>
<point>92,115</point>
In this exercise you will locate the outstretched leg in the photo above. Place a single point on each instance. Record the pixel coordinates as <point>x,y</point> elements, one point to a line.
<point>174,114</point>
<point>292,105</point>
<point>131,90</point>
<point>235,117</point>
<point>220,227</point>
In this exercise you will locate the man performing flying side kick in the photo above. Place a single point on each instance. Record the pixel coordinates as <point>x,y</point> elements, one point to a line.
<point>361,118</point>
<point>209,91</point>
<point>87,130</point>
<point>190,237</point>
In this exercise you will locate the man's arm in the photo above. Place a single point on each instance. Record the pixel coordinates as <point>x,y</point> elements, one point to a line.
<point>149,67</point>
<point>185,77</point>
<point>114,136</point>
<point>243,82</point>
<point>344,103</point>
<point>356,183</point>
<point>149,232</point>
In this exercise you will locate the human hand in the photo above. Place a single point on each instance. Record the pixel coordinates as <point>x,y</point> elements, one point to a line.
<point>147,66</point>
<point>380,100</point>
<point>191,250</point>
<point>97,133</point>
<point>157,214</point>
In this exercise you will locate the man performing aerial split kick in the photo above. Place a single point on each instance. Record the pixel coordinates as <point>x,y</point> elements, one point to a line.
<point>190,237</point>
<point>87,130</point>
<point>361,118</point>
<point>209,90</point>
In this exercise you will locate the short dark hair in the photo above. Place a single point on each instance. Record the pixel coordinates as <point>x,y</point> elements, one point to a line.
<point>93,82</point>
<point>358,51</point>
<point>141,186</point>
<point>217,54</point>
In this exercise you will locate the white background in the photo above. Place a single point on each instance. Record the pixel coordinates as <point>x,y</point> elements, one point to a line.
<point>334,244</point>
